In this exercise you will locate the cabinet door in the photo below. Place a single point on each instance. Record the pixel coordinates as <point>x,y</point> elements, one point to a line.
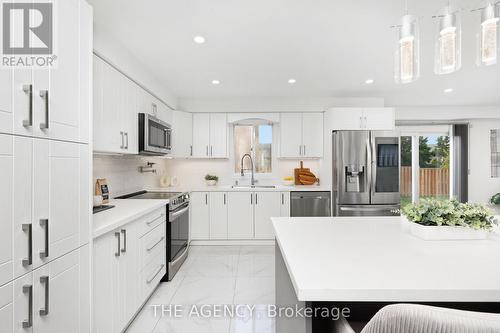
<point>285,204</point>
<point>201,134</point>
<point>7,307</point>
<point>105,287</point>
<point>218,135</point>
<point>240,215</point>
<point>218,215</point>
<point>164,112</point>
<point>267,205</point>
<point>6,207</point>
<point>129,273</point>
<point>348,119</point>
<point>182,134</point>
<point>64,92</point>
<point>58,198</point>
<point>291,135</point>
<point>22,208</point>
<point>379,119</point>
<point>200,215</point>
<point>312,135</point>
<point>131,120</point>
<point>56,303</point>
<point>6,94</point>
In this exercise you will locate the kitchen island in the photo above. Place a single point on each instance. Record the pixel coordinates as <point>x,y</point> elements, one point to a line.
<point>365,263</point>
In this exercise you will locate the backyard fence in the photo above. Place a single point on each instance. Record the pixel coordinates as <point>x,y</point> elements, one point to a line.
<point>433,181</point>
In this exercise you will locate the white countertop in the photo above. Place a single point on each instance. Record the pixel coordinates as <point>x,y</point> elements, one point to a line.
<point>125,211</point>
<point>229,188</point>
<point>373,259</point>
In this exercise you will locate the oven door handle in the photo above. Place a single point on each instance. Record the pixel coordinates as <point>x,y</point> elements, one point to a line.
<point>176,214</point>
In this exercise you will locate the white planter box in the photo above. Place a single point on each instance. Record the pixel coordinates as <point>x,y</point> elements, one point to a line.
<point>426,232</point>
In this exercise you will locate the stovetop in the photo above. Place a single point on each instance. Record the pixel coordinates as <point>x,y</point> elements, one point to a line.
<point>155,195</point>
<point>177,199</point>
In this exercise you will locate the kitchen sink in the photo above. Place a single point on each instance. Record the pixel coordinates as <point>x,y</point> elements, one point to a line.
<point>253,186</point>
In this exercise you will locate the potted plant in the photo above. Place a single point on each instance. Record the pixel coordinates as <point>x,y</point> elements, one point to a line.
<point>211,180</point>
<point>433,219</point>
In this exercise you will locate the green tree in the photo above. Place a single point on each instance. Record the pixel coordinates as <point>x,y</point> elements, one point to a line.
<point>406,151</point>
<point>425,153</point>
<point>442,152</point>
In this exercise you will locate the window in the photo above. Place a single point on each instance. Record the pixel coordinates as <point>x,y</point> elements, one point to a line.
<point>425,164</point>
<point>256,140</point>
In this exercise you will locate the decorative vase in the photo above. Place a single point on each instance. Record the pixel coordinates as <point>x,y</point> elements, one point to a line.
<point>211,182</point>
<point>436,233</point>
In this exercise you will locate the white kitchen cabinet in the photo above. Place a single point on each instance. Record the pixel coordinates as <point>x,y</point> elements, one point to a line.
<point>52,102</point>
<point>182,134</point>
<point>218,135</point>
<point>301,135</point>
<point>312,135</point>
<point>218,215</point>
<point>6,204</point>
<point>48,299</point>
<point>164,112</point>
<point>284,204</point>
<point>200,216</point>
<point>267,205</point>
<point>201,135</point>
<point>240,215</point>
<point>210,135</point>
<point>363,118</point>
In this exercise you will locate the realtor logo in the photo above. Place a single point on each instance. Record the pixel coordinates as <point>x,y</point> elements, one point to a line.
<point>27,34</point>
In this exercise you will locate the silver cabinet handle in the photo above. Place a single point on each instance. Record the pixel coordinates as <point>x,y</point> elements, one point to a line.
<point>282,198</point>
<point>207,150</point>
<point>300,150</point>
<point>304,150</point>
<point>224,198</point>
<point>28,289</point>
<point>155,219</point>
<point>44,94</point>
<point>157,272</point>
<point>251,198</point>
<point>211,151</point>
<point>117,253</point>
<point>206,198</point>
<point>44,223</point>
<point>28,89</point>
<point>256,202</point>
<point>154,245</point>
<point>45,310</point>
<point>126,140</point>
<point>122,145</point>
<point>191,150</point>
<point>29,229</point>
<point>124,233</point>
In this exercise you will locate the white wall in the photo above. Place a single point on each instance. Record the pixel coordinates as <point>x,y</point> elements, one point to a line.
<point>116,53</point>
<point>122,173</point>
<point>481,185</point>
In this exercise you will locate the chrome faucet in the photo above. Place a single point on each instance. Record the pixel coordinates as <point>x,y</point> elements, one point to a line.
<point>252,182</point>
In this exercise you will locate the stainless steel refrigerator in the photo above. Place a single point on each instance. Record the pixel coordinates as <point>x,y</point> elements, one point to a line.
<point>366,166</point>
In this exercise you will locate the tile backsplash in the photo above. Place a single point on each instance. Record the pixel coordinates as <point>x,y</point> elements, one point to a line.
<point>122,172</point>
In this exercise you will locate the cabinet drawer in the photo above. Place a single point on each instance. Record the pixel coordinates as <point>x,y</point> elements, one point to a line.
<point>152,220</point>
<point>153,244</point>
<point>152,274</point>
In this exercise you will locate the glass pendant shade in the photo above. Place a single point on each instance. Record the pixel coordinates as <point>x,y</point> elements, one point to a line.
<point>488,39</point>
<point>407,55</point>
<point>448,53</point>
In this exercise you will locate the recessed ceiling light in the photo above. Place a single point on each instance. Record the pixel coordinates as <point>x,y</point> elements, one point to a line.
<point>292,81</point>
<point>216,82</point>
<point>199,39</point>
<point>369,81</point>
<point>448,90</point>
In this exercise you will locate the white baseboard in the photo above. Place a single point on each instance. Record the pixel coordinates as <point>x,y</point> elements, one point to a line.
<point>233,242</point>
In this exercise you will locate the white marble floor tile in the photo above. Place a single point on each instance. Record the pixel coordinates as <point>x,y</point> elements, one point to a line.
<point>256,321</point>
<point>216,265</point>
<point>166,290</point>
<point>258,250</point>
<point>215,250</point>
<point>205,290</point>
<point>192,325</point>
<point>254,290</point>
<point>256,266</point>
<point>145,321</point>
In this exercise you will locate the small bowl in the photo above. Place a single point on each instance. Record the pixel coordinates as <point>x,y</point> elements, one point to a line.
<point>288,182</point>
<point>211,182</point>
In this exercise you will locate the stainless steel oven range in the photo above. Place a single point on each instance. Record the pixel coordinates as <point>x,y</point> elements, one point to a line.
<point>177,226</point>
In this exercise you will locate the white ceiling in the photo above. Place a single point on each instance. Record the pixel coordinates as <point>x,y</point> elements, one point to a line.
<point>329,46</point>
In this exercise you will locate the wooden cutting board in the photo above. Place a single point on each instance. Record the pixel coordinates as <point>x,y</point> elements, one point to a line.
<point>297,171</point>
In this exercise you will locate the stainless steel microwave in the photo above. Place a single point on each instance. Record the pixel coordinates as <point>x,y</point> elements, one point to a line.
<point>155,135</point>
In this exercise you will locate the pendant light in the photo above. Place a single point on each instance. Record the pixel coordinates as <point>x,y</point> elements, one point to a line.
<point>448,55</point>
<point>407,55</point>
<point>488,37</point>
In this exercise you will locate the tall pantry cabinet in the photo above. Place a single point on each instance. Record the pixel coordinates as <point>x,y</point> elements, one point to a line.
<point>45,189</point>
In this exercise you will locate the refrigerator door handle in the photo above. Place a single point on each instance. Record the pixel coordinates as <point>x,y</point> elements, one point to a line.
<point>369,163</point>
<point>374,170</point>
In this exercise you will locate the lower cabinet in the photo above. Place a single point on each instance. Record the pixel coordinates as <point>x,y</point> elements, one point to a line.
<point>129,263</point>
<point>236,215</point>
<point>53,298</point>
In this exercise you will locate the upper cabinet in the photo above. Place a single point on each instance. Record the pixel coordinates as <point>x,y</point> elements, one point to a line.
<point>363,118</point>
<point>301,135</point>
<point>210,135</point>
<point>53,102</point>
<point>117,103</point>
<point>182,134</point>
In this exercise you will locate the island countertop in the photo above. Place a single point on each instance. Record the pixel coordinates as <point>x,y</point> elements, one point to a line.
<point>373,259</point>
